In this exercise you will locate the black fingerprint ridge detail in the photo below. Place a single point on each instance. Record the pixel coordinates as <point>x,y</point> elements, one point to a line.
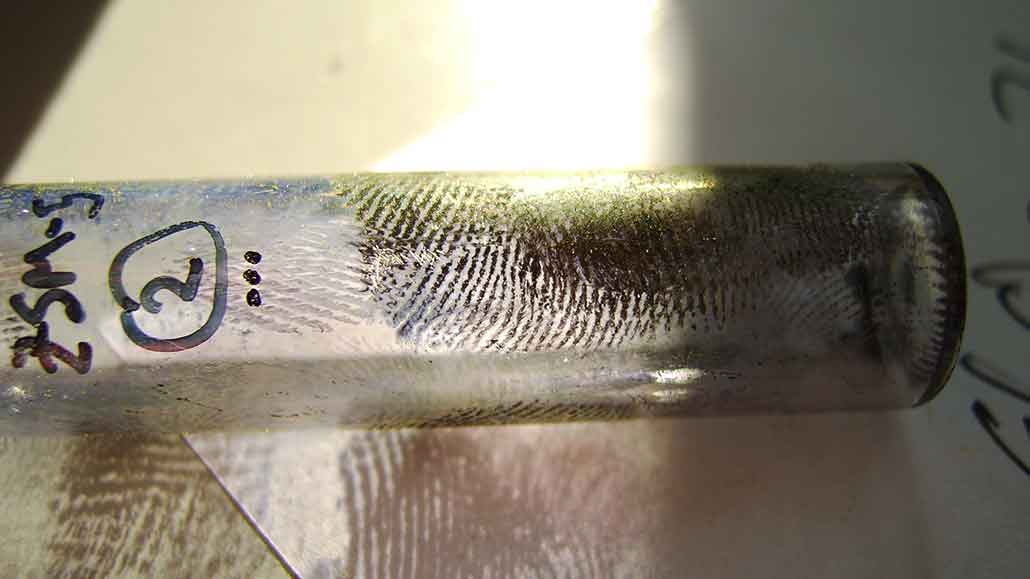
<point>471,266</point>
<point>937,364</point>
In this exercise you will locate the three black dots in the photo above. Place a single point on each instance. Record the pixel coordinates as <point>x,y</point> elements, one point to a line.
<point>253,278</point>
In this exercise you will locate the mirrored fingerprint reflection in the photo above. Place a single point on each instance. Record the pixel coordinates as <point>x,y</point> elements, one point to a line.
<point>641,498</point>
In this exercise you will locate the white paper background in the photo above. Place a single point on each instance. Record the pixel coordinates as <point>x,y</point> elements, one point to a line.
<point>196,89</point>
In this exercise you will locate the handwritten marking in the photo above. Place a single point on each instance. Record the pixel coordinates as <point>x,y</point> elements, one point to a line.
<point>1008,77</point>
<point>991,376</point>
<point>993,275</point>
<point>252,277</point>
<point>998,275</point>
<point>253,298</point>
<point>990,424</point>
<point>34,316</point>
<point>42,276</point>
<point>41,209</point>
<point>54,227</point>
<point>41,348</point>
<point>184,290</point>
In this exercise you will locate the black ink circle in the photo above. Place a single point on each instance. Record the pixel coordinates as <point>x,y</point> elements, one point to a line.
<point>252,257</point>
<point>186,291</point>
<point>252,277</point>
<point>253,298</point>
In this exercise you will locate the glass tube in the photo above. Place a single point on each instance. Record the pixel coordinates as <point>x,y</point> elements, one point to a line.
<point>381,300</point>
